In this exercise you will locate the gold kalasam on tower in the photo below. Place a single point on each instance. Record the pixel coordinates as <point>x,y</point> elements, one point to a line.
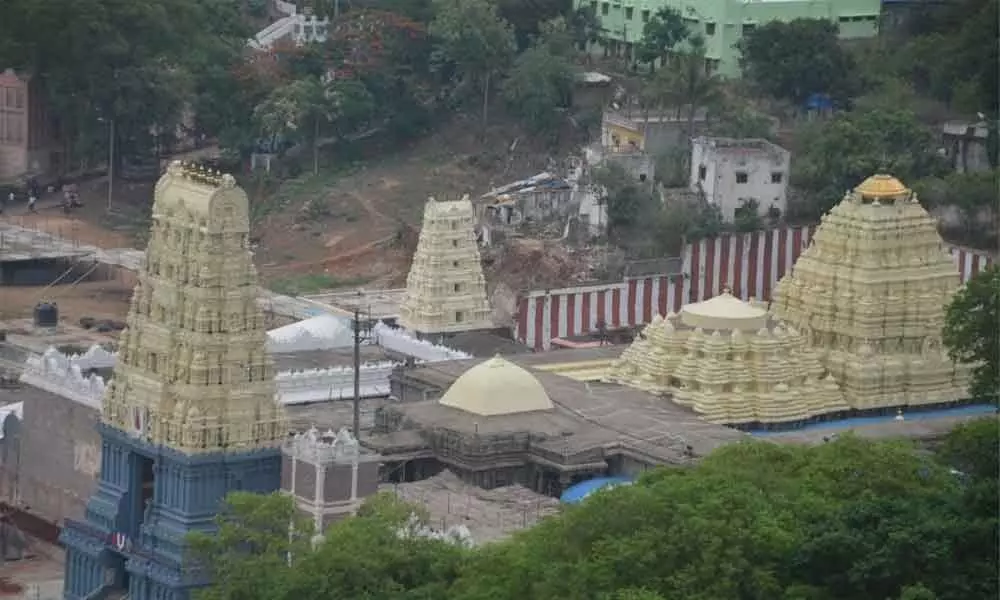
<point>445,288</point>
<point>192,372</point>
<point>870,294</point>
<point>732,363</point>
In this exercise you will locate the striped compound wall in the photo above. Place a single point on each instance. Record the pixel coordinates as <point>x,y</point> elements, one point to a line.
<point>749,263</point>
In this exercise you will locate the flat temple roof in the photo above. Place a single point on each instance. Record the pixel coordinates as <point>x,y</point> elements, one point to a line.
<point>586,415</point>
<point>380,304</point>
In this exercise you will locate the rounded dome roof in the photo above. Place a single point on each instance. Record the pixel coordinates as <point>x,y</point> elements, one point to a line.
<point>724,311</point>
<point>882,186</point>
<point>497,387</point>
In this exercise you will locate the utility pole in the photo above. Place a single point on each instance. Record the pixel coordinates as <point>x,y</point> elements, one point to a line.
<point>357,371</point>
<point>111,163</point>
<point>359,336</point>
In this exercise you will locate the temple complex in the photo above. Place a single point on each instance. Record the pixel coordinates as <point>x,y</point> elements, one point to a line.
<point>190,414</point>
<point>445,289</point>
<point>870,294</point>
<point>503,421</point>
<point>730,362</point>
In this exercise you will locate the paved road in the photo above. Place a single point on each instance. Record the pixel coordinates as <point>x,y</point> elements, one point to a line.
<point>30,240</point>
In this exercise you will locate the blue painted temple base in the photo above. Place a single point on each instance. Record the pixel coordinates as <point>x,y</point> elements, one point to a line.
<point>148,499</point>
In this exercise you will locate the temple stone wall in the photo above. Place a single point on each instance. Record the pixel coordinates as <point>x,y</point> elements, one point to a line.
<point>60,455</point>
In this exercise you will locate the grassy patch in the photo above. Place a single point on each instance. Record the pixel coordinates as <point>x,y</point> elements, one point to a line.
<point>271,194</point>
<point>312,283</point>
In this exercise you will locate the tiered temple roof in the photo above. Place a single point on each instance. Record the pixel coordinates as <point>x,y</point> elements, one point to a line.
<point>445,289</point>
<point>870,294</point>
<point>732,363</point>
<point>192,371</point>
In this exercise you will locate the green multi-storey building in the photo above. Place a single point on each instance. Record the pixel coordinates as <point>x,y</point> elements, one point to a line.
<point>723,22</point>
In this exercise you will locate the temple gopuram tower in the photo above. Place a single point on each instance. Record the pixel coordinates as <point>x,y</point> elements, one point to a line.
<point>445,289</point>
<point>870,295</point>
<point>190,414</point>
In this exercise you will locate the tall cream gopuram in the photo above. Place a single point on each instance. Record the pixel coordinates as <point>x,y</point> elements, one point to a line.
<point>445,289</point>
<point>192,372</point>
<point>869,295</point>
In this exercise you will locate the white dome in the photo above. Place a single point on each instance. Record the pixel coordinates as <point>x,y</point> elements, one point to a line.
<point>497,387</point>
<point>725,311</point>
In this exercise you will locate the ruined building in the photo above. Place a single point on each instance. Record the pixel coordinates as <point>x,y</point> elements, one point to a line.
<point>870,295</point>
<point>445,289</point>
<point>190,414</point>
<point>730,362</point>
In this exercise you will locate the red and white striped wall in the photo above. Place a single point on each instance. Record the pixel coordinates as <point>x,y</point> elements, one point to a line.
<point>747,263</point>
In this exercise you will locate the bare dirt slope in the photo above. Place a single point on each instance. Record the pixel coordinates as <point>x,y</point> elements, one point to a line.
<point>354,223</point>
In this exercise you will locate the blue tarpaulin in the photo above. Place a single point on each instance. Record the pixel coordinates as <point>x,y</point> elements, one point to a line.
<point>583,489</point>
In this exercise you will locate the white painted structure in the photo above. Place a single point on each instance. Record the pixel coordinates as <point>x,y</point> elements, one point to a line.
<point>730,173</point>
<point>324,332</point>
<point>295,26</point>
<point>69,376</point>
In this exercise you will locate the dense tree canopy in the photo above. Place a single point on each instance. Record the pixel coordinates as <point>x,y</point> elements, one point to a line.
<point>795,59</point>
<point>660,35</point>
<point>852,519</point>
<point>473,37</point>
<point>840,153</point>
<point>972,331</point>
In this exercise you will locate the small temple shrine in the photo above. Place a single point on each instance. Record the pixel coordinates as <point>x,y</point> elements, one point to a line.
<point>869,296</point>
<point>732,363</point>
<point>445,288</point>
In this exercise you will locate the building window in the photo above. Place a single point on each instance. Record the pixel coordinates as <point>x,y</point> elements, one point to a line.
<point>776,177</point>
<point>741,177</point>
<point>628,12</point>
<point>457,287</point>
<point>454,243</point>
<point>709,28</point>
<point>702,172</point>
<point>645,16</point>
<point>454,263</point>
<point>459,316</point>
<point>749,28</point>
<point>454,225</point>
<point>604,8</point>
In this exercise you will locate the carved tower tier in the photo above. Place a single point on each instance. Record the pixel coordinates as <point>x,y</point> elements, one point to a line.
<point>870,294</point>
<point>191,413</point>
<point>445,289</point>
<point>730,362</point>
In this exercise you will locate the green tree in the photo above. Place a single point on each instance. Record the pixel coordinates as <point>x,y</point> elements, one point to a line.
<point>684,82</point>
<point>972,327</point>
<point>295,112</point>
<point>795,59</point>
<point>134,63</point>
<point>255,540</point>
<point>471,35</point>
<point>838,154</point>
<point>585,26</point>
<point>660,35</point>
<point>539,87</point>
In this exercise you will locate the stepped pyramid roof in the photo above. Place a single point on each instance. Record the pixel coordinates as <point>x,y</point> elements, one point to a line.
<point>730,362</point>
<point>192,372</point>
<point>870,295</point>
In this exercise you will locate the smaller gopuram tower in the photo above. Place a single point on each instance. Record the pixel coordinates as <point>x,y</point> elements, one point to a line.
<point>190,414</point>
<point>445,289</point>
<point>870,293</point>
